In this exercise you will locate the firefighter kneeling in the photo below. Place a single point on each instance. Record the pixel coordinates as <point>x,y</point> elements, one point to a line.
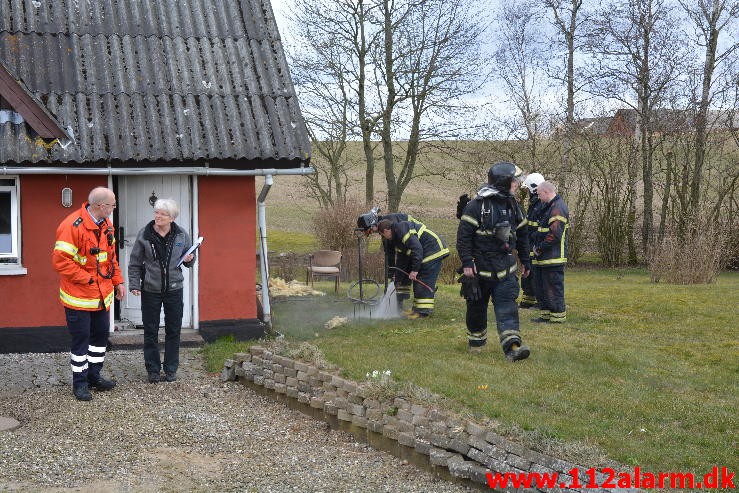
<point>490,226</point>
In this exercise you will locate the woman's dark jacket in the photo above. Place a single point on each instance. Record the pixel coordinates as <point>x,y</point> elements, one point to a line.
<point>152,266</point>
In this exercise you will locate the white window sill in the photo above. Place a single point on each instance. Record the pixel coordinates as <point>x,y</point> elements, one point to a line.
<point>13,270</point>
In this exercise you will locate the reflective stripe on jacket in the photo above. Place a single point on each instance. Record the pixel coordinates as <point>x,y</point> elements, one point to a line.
<point>551,235</point>
<point>477,244</point>
<point>387,245</point>
<point>416,241</point>
<point>77,237</point>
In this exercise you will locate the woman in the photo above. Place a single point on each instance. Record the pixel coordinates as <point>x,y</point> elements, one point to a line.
<point>153,273</point>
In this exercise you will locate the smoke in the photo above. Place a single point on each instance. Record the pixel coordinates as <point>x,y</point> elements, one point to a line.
<point>306,317</point>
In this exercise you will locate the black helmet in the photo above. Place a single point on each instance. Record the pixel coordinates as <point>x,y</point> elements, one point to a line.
<point>500,175</point>
<point>366,221</point>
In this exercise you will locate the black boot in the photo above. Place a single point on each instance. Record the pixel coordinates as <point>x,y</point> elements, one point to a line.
<point>102,384</point>
<point>518,353</point>
<point>82,392</point>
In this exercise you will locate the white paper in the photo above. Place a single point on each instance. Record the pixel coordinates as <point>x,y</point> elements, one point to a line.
<point>190,250</point>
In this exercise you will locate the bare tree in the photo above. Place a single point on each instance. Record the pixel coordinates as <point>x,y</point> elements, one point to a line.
<point>520,65</point>
<point>406,65</point>
<point>710,17</point>
<point>430,61</point>
<point>565,14</point>
<point>329,64</point>
<point>635,56</point>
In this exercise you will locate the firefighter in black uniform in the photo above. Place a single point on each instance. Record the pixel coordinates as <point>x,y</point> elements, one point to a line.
<point>491,225</point>
<point>368,222</point>
<point>419,253</point>
<point>550,255</point>
<point>532,181</point>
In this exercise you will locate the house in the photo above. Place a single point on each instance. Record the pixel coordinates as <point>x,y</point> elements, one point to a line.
<point>668,121</point>
<point>623,123</point>
<point>154,98</point>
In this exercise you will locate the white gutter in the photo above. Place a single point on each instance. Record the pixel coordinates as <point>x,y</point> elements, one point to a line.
<point>263,261</point>
<point>200,170</point>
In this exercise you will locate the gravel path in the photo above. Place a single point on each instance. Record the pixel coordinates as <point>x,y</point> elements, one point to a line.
<point>197,434</point>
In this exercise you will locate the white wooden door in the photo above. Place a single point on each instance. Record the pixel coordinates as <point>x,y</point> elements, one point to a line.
<point>135,210</point>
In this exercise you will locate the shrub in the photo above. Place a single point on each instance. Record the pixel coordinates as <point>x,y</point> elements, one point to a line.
<point>693,257</point>
<point>334,225</point>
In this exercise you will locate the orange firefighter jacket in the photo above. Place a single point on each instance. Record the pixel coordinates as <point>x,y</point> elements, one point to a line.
<point>84,257</point>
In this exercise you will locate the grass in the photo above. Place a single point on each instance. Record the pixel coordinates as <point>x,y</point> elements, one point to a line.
<point>647,373</point>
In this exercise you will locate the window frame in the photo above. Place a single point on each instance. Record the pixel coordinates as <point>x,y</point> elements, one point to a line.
<point>14,266</point>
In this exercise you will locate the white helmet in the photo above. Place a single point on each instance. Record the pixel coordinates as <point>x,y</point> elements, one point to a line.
<point>532,181</point>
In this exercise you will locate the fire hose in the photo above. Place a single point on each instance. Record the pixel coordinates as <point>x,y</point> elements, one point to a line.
<point>414,280</point>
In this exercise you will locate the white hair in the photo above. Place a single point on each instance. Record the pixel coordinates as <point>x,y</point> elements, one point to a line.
<point>547,186</point>
<point>98,195</point>
<point>169,206</point>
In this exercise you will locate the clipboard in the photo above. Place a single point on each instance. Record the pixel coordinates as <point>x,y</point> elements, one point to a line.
<point>190,250</point>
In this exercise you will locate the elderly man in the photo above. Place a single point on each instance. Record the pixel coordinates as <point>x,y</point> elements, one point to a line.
<point>84,256</point>
<point>550,255</point>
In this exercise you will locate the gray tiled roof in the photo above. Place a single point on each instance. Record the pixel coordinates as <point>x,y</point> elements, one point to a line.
<point>162,81</point>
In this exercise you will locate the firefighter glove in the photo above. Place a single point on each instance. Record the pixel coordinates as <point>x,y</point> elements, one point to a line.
<point>470,289</point>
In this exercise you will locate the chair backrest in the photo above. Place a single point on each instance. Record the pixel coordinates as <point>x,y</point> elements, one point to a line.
<point>326,258</point>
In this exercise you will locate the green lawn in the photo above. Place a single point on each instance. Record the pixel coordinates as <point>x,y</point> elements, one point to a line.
<point>647,373</point>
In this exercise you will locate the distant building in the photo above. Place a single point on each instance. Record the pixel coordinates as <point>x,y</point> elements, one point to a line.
<point>623,123</point>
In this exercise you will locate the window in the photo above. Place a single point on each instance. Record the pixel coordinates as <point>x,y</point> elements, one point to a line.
<point>9,227</point>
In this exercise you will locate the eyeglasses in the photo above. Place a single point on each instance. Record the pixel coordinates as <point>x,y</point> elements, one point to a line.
<point>109,205</point>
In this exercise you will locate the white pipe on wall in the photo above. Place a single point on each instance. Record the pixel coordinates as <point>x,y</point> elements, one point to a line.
<point>263,263</point>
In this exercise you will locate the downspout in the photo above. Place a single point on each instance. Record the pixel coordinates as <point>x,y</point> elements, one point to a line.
<point>264,264</point>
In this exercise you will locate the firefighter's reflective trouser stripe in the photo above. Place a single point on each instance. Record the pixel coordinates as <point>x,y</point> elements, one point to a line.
<point>423,297</point>
<point>503,293</point>
<point>550,291</point>
<point>89,331</point>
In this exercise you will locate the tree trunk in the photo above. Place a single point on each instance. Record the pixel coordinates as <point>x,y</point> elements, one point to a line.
<point>701,118</point>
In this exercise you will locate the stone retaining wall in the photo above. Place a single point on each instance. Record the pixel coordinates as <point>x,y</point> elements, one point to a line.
<point>465,448</point>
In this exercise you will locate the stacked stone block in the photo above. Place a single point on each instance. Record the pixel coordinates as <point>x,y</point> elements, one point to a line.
<point>467,449</point>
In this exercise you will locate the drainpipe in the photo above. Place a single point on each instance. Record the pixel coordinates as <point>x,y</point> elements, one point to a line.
<point>263,264</point>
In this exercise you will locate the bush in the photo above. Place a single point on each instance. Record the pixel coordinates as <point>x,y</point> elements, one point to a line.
<point>694,257</point>
<point>334,225</point>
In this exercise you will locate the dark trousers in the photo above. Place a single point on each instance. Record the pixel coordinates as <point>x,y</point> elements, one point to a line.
<point>529,290</point>
<point>89,331</point>
<point>151,306</point>
<point>503,293</point>
<point>550,291</point>
<point>423,296</point>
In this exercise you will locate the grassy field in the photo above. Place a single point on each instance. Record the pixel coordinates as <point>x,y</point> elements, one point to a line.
<point>643,374</point>
<point>646,373</point>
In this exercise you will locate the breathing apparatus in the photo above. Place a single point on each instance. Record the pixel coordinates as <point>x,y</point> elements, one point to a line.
<point>366,221</point>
